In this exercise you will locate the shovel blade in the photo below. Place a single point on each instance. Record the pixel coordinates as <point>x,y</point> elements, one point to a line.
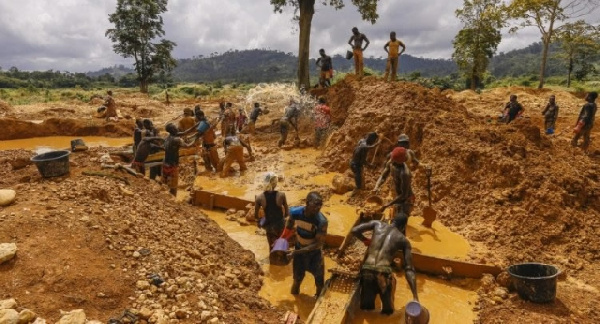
<point>429,215</point>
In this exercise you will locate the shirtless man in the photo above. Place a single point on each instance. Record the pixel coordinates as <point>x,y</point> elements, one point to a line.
<point>356,41</point>
<point>146,146</point>
<point>401,181</point>
<point>205,131</point>
<point>111,106</point>
<point>187,121</point>
<point>275,207</point>
<point>513,109</point>
<point>324,63</point>
<point>170,167</point>
<point>377,277</point>
<point>234,152</point>
<point>359,158</point>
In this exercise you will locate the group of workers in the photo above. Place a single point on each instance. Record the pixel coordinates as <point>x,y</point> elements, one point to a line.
<point>392,48</point>
<point>583,125</point>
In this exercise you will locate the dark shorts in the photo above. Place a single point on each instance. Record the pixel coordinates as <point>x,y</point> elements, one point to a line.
<point>371,286</point>
<point>312,262</point>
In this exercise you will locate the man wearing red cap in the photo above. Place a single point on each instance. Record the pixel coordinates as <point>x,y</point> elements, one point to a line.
<point>401,181</point>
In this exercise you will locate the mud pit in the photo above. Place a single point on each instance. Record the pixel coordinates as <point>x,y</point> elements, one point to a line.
<point>515,194</point>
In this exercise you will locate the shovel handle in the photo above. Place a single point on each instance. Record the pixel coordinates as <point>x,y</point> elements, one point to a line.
<point>428,174</point>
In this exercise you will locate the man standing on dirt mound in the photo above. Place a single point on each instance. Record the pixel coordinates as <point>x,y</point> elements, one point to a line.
<point>377,277</point>
<point>359,159</point>
<point>324,62</point>
<point>275,207</point>
<point>550,114</point>
<point>311,229</point>
<point>585,121</point>
<point>401,181</point>
<point>356,41</point>
<point>393,56</point>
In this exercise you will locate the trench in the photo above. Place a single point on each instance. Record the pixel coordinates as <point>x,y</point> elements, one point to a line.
<point>449,301</point>
<point>62,142</point>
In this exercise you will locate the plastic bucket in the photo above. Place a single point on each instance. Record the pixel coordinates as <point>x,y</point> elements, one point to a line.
<point>414,313</point>
<point>349,55</point>
<point>278,254</point>
<point>535,282</point>
<point>550,131</point>
<point>52,164</point>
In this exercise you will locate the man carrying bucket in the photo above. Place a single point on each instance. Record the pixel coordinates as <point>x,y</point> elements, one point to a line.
<point>274,204</point>
<point>311,228</point>
<point>377,277</point>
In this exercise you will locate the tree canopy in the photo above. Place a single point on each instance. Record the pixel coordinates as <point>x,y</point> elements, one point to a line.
<point>138,27</point>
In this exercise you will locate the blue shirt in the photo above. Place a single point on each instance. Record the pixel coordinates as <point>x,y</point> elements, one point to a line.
<point>203,127</point>
<point>307,228</point>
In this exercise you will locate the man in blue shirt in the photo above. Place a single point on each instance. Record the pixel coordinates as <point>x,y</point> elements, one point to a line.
<point>311,228</point>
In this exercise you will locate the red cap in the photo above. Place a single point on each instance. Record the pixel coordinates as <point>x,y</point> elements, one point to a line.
<point>399,155</point>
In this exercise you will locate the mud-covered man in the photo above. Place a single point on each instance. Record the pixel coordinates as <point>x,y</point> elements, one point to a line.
<point>325,64</point>
<point>377,277</point>
<point>234,152</point>
<point>151,131</point>
<point>356,41</point>
<point>585,121</point>
<point>256,111</point>
<point>187,121</point>
<point>513,109</point>
<point>146,146</point>
<point>170,167</point>
<point>359,158</point>
<point>311,229</point>
<point>411,156</point>
<point>322,121</point>
<point>550,114</point>
<point>111,106</point>
<point>401,183</point>
<point>205,131</point>
<point>290,118</point>
<point>275,208</point>
<point>137,133</point>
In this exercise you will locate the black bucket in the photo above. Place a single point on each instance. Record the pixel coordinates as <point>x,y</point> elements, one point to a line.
<point>52,164</point>
<point>535,282</point>
<point>349,55</point>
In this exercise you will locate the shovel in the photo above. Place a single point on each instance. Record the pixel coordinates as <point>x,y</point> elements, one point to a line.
<point>429,214</point>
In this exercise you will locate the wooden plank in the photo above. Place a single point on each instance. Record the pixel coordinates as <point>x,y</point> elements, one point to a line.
<point>212,200</point>
<point>453,268</point>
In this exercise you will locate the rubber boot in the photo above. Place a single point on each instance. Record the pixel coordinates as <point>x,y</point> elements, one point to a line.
<point>319,289</point>
<point>296,287</point>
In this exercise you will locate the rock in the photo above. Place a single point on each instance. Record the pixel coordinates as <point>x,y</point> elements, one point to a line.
<point>76,316</point>
<point>7,196</point>
<point>7,251</point>
<point>8,303</point>
<point>250,216</point>
<point>26,316</point>
<point>504,280</point>
<point>214,320</point>
<point>145,313</point>
<point>501,292</point>
<point>39,320</point>
<point>9,316</point>
<point>204,315</point>
<point>240,213</point>
<point>142,284</point>
<point>342,184</point>
<point>20,163</point>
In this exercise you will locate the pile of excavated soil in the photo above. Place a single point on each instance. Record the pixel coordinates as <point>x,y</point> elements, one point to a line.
<point>523,196</point>
<point>16,129</point>
<point>93,242</point>
<point>5,108</point>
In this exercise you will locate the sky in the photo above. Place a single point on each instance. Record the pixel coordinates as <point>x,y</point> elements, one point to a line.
<point>69,35</point>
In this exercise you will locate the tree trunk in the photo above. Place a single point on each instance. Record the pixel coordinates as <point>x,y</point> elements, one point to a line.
<point>307,10</point>
<point>570,71</point>
<point>546,44</point>
<point>144,86</point>
<point>473,78</point>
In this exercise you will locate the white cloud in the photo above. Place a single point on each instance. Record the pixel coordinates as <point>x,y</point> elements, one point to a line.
<point>69,35</point>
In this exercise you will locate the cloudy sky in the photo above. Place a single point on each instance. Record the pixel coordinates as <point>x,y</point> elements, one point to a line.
<point>68,35</point>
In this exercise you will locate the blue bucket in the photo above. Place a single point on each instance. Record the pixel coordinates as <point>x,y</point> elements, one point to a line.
<point>414,313</point>
<point>550,131</point>
<point>278,254</point>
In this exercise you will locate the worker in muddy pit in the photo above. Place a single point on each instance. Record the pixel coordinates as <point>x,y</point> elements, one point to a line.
<point>275,207</point>
<point>151,131</point>
<point>411,156</point>
<point>228,120</point>
<point>310,229</point>
<point>401,182</point>
<point>205,131</point>
<point>146,146</point>
<point>234,152</point>
<point>585,121</point>
<point>322,121</point>
<point>170,166</point>
<point>137,134</point>
<point>513,109</point>
<point>111,106</point>
<point>376,276</point>
<point>290,117</point>
<point>187,121</point>
<point>256,111</point>
<point>359,159</point>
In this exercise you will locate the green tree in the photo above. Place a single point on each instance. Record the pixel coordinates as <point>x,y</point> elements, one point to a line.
<point>477,42</point>
<point>578,40</point>
<point>138,27</point>
<point>304,11</point>
<point>545,15</point>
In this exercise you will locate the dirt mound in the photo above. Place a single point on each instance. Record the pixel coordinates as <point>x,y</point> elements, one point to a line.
<point>521,195</point>
<point>5,108</point>
<point>93,242</point>
<point>16,129</point>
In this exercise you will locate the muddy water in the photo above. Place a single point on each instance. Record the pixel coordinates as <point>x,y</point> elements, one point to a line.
<point>447,302</point>
<point>436,241</point>
<point>278,279</point>
<point>61,142</point>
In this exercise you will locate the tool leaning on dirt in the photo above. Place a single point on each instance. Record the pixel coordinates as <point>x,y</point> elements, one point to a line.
<point>429,214</point>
